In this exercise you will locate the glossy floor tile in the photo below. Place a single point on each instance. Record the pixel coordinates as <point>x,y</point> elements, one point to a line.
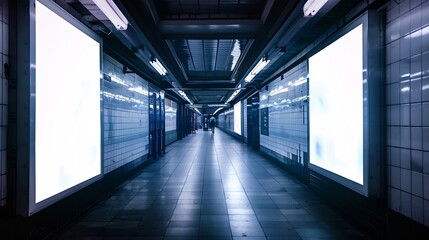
<point>211,186</point>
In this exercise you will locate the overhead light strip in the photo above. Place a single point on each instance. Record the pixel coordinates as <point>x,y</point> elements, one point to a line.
<point>234,94</point>
<point>158,67</point>
<point>261,64</point>
<point>311,7</point>
<point>183,94</point>
<point>112,12</point>
<point>217,110</point>
<point>198,111</point>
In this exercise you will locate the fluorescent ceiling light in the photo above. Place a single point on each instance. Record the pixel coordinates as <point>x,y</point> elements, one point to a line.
<point>198,111</point>
<point>311,7</point>
<point>261,64</point>
<point>158,67</point>
<point>185,96</point>
<point>112,12</point>
<point>234,94</point>
<point>217,110</point>
<point>217,105</point>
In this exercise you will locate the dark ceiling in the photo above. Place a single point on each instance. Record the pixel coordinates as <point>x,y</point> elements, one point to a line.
<point>209,46</point>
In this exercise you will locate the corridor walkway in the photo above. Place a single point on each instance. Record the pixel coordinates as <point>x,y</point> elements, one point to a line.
<point>212,187</point>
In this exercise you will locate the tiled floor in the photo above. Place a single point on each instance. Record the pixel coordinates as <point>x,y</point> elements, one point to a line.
<point>212,187</point>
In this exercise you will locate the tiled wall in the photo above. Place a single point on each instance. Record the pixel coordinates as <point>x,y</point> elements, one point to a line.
<point>286,100</point>
<point>226,120</point>
<point>170,121</point>
<point>4,54</point>
<point>126,121</point>
<point>407,110</point>
<point>170,115</point>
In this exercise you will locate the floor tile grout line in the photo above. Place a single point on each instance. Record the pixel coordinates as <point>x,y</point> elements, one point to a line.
<point>245,192</point>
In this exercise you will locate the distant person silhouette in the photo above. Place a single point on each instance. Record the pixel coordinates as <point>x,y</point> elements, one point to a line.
<point>213,123</point>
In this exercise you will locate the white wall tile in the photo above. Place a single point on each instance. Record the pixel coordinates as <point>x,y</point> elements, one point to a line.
<point>405,22</point>
<point>125,126</point>
<point>425,138</point>
<point>5,88</point>
<point>394,114</point>
<point>416,114</point>
<point>2,8</point>
<point>395,156</point>
<point>416,138</point>
<point>394,199</point>
<point>5,36</point>
<point>425,88</point>
<point>406,180</point>
<point>394,137</point>
<point>426,163</point>
<point>425,63</point>
<point>405,203</point>
<point>425,39</point>
<point>425,114</point>
<point>425,189</point>
<point>405,137</point>
<point>3,164</point>
<point>404,69</point>
<point>426,212</point>
<point>405,114</point>
<point>417,208</point>
<point>395,177</point>
<point>5,13</point>
<point>415,16</point>
<point>425,13</point>
<point>414,4</point>
<point>417,184</point>
<point>394,51</point>
<point>404,7</point>
<point>415,90</point>
<point>417,161</point>
<point>416,66</point>
<point>405,158</point>
<point>395,72</point>
<point>393,12</point>
<point>1,37</point>
<point>416,42</point>
<point>404,45</point>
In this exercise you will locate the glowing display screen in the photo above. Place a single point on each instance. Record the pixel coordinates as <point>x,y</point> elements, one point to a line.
<point>67,105</point>
<point>336,106</point>
<point>237,118</point>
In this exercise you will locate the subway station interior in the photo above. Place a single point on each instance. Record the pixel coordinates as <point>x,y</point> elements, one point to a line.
<point>321,114</point>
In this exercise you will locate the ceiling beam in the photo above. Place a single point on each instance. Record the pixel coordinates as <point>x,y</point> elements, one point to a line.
<point>206,29</point>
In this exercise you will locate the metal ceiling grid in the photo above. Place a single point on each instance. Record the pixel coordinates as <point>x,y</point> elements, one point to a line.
<point>209,9</point>
<point>209,46</point>
<point>209,55</point>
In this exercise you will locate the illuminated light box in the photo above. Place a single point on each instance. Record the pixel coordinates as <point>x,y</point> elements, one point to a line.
<point>344,106</point>
<point>237,118</point>
<point>67,117</point>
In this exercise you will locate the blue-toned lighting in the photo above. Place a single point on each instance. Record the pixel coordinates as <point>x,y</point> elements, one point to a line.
<point>261,64</point>
<point>311,7</point>
<point>112,12</point>
<point>158,66</point>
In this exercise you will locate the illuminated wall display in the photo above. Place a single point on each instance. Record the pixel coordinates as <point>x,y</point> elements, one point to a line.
<point>67,131</point>
<point>237,118</point>
<point>343,91</point>
<point>336,105</point>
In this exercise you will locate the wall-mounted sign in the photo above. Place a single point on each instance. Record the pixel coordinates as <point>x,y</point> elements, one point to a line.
<point>264,121</point>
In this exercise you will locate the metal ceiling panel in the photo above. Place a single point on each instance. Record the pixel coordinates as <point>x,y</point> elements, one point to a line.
<point>209,9</point>
<point>216,57</point>
<point>209,46</point>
